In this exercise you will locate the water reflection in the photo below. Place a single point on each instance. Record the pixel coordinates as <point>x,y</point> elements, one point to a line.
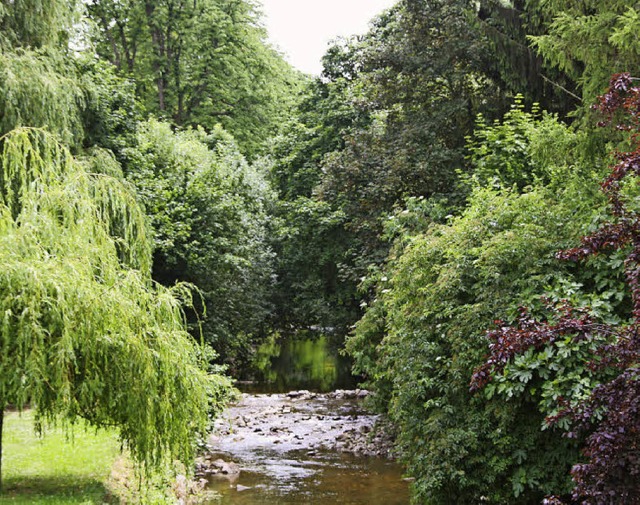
<point>336,479</point>
<point>288,364</point>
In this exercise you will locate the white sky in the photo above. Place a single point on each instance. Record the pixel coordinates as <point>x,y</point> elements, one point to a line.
<point>302,28</point>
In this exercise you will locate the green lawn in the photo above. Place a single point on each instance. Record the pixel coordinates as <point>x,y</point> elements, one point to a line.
<point>53,470</point>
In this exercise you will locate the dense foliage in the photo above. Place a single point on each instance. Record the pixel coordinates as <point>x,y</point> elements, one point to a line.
<point>589,40</point>
<point>605,410</point>
<point>208,209</point>
<point>407,198</point>
<point>388,120</point>
<point>428,322</point>
<point>37,23</point>
<point>85,332</point>
<point>198,63</point>
<point>532,181</point>
<point>41,89</point>
<point>423,202</point>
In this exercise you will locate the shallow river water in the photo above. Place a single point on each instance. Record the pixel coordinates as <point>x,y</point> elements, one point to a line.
<point>289,448</point>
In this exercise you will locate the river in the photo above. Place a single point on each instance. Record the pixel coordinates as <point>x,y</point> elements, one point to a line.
<point>293,439</point>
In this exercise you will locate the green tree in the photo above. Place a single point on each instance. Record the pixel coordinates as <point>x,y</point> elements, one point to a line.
<point>208,208</point>
<point>507,25</point>
<point>309,237</point>
<point>589,40</point>
<point>37,23</point>
<point>309,242</point>
<point>386,121</point>
<point>199,63</point>
<point>444,284</point>
<point>38,81</point>
<point>40,88</point>
<point>85,332</point>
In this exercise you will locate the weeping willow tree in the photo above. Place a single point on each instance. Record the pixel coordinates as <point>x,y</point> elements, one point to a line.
<point>84,332</point>
<point>36,23</point>
<point>40,83</point>
<point>41,88</point>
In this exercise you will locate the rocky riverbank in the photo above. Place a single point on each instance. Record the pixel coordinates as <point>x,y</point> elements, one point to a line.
<point>302,447</point>
<point>300,421</point>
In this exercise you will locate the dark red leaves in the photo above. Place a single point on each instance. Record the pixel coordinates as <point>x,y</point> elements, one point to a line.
<point>609,420</point>
<point>612,473</point>
<point>507,341</point>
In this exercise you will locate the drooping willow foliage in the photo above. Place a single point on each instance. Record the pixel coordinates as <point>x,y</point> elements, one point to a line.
<point>39,88</point>
<point>84,332</point>
<point>36,23</point>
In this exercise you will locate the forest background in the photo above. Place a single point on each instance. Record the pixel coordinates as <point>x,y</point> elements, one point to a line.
<point>405,201</point>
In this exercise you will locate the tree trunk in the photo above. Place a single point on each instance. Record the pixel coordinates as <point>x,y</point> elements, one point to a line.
<point>159,62</point>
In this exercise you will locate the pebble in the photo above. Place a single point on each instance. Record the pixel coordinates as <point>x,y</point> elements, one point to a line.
<point>300,420</point>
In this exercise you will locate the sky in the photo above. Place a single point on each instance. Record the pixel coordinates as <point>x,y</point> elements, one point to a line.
<point>302,28</point>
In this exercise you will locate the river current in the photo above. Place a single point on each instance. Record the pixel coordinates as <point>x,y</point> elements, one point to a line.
<point>291,440</point>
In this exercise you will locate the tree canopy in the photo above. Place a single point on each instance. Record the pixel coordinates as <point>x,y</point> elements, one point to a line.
<point>85,331</point>
<point>199,63</point>
<point>163,169</point>
<point>208,208</point>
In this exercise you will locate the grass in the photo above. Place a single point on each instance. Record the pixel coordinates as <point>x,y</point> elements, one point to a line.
<point>54,470</point>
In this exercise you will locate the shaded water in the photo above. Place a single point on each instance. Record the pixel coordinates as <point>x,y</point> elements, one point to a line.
<point>286,446</point>
<point>291,364</point>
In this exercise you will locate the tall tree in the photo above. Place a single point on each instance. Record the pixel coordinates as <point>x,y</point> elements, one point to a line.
<point>507,27</point>
<point>208,208</point>
<point>36,23</point>
<point>386,121</point>
<point>38,84</point>
<point>311,243</point>
<point>85,332</point>
<point>199,63</point>
<point>588,40</point>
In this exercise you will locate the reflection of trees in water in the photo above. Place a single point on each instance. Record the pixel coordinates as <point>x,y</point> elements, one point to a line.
<point>268,351</point>
<point>295,363</point>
